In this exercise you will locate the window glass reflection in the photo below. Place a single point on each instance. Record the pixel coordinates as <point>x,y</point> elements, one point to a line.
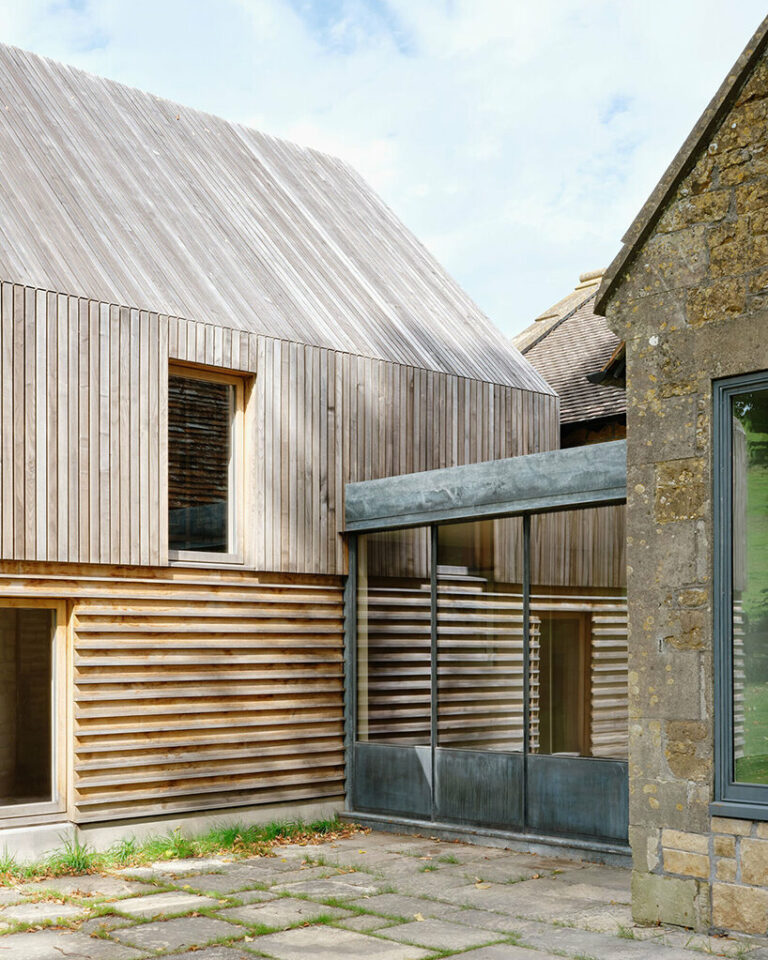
<point>480,635</point>
<point>750,586</point>
<point>578,631</point>
<point>394,637</point>
<point>199,451</point>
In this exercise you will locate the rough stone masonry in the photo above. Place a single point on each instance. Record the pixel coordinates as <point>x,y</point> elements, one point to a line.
<point>692,305</point>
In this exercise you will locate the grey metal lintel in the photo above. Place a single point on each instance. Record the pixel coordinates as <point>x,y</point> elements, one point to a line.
<point>555,480</point>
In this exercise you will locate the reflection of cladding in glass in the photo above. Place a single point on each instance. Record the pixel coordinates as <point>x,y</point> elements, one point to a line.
<point>578,631</point>
<point>750,586</point>
<point>480,635</point>
<point>26,648</point>
<point>394,637</point>
<point>199,451</point>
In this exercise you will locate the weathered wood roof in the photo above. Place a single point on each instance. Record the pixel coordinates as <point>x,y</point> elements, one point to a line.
<point>568,348</point>
<point>115,194</point>
<point>683,162</point>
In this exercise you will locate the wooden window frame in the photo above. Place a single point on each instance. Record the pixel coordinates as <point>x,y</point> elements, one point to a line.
<point>584,620</point>
<point>731,798</point>
<point>19,814</point>
<point>235,556</point>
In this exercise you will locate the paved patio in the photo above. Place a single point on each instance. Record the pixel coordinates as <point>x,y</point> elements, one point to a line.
<point>376,896</point>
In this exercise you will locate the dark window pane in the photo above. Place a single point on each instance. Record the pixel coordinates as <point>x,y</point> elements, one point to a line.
<point>26,646</point>
<point>750,587</point>
<point>199,450</point>
<point>394,637</point>
<point>480,635</point>
<point>578,652</point>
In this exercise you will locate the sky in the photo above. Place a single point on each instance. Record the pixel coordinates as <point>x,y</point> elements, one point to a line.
<point>516,138</point>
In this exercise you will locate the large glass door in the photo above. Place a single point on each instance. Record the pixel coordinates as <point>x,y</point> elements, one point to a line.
<point>393,694</point>
<point>480,673</point>
<point>492,674</point>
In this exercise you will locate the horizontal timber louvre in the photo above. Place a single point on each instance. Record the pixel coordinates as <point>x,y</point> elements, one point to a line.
<point>194,695</point>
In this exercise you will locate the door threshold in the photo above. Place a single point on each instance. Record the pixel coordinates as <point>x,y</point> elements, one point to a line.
<point>595,851</point>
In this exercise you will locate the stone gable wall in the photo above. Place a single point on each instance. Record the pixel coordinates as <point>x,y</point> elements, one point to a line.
<point>692,306</point>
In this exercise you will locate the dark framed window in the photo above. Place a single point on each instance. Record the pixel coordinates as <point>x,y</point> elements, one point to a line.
<point>741,595</point>
<point>204,466</point>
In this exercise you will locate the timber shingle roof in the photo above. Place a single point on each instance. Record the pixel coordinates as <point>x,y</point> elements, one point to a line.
<point>572,345</point>
<point>112,193</point>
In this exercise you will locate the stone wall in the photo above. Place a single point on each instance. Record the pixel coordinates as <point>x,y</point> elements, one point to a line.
<point>692,306</point>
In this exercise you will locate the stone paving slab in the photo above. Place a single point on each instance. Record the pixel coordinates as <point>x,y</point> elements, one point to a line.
<point>364,922</point>
<point>253,896</point>
<point>273,864</point>
<point>59,945</point>
<point>331,943</point>
<point>504,951</point>
<point>281,913</point>
<point>96,887</point>
<point>295,874</point>
<point>212,953</point>
<point>47,911</point>
<point>175,868</point>
<point>486,920</point>
<point>439,935</point>
<point>232,881</point>
<point>158,904</point>
<point>23,891</point>
<point>605,918</point>
<point>179,934</point>
<point>518,901</point>
<point>347,886</point>
<point>397,905</point>
<point>100,925</point>
<point>600,946</point>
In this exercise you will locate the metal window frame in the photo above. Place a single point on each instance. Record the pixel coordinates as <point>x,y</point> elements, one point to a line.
<point>731,799</point>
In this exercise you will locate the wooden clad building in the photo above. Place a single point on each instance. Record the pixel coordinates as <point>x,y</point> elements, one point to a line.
<point>205,333</point>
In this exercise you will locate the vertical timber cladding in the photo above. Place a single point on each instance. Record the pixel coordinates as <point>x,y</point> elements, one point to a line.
<point>325,419</point>
<point>83,435</point>
<point>199,693</point>
<point>82,403</point>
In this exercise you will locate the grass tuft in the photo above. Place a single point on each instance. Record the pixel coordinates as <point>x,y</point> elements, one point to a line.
<point>236,841</point>
<point>72,857</point>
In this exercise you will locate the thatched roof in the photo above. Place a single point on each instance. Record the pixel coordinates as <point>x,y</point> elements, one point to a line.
<point>118,195</point>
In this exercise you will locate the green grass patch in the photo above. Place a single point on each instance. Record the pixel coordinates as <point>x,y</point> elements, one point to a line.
<point>237,841</point>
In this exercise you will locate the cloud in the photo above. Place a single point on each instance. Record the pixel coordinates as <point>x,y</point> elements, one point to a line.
<point>516,139</point>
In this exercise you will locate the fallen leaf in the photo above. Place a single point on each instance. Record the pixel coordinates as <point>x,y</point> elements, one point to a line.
<point>417,916</point>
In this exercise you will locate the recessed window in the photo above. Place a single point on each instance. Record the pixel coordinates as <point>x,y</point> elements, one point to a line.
<point>31,733</point>
<point>204,413</point>
<point>741,598</point>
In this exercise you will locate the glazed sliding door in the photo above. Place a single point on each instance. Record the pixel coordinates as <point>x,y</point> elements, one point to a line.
<point>577,772</point>
<point>480,676</point>
<point>392,751</point>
